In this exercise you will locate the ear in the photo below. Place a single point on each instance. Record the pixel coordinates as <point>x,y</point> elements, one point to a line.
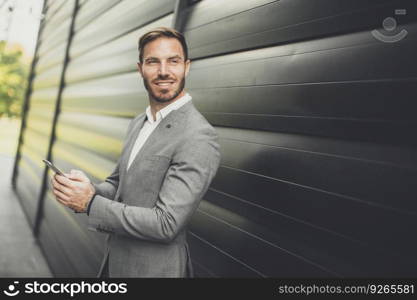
<point>187,67</point>
<point>140,68</point>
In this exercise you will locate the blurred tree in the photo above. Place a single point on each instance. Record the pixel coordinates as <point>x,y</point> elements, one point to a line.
<point>13,77</point>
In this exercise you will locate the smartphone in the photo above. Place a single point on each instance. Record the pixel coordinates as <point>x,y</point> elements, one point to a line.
<point>53,167</point>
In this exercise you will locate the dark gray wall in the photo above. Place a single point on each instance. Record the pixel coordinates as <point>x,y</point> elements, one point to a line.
<point>316,120</point>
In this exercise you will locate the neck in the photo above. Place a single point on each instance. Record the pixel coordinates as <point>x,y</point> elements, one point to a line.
<point>157,106</point>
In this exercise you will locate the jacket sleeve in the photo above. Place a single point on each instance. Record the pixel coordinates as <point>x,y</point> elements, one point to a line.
<point>109,186</point>
<point>192,169</point>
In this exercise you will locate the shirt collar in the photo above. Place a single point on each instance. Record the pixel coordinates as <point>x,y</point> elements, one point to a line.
<point>167,109</point>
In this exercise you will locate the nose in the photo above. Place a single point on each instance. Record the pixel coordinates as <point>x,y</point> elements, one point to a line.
<point>163,68</point>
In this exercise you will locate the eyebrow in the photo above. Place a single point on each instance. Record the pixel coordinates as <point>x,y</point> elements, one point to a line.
<point>152,57</point>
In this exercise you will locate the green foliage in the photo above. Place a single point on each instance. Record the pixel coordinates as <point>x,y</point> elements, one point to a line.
<point>13,77</point>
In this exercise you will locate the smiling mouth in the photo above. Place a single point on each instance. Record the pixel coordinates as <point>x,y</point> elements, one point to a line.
<point>164,83</point>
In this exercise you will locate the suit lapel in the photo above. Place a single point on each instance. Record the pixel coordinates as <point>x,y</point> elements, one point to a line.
<point>163,131</point>
<point>132,136</point>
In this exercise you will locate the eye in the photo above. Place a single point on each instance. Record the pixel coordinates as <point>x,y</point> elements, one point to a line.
<point>151,61</point>
<point>175,60</point>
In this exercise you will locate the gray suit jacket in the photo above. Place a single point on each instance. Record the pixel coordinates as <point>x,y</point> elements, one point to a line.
<point>146,209</point>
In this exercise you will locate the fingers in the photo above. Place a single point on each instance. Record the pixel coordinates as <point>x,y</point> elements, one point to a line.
<point>61,197</point>
<point>61,201</point>
<point>64,180</point>
<point>63,189</point>
<point>71,193</point>
<point>65,203</point>
<point>62,193</point>
<point>64,200</point>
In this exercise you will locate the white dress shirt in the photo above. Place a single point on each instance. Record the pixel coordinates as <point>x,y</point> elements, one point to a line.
<point>150,125</point>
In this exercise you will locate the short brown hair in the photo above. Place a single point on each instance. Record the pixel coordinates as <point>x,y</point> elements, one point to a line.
<point>159,33</point>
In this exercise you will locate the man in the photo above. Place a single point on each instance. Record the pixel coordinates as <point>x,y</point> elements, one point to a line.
<point>170,156</point>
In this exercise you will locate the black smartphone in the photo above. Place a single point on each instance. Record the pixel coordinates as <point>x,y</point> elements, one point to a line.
<point>53,167</point>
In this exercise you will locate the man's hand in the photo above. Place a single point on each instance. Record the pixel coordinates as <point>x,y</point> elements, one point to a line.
<point>74,191</point>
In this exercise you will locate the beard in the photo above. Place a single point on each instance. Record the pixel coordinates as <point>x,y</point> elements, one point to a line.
<point>165,92</point>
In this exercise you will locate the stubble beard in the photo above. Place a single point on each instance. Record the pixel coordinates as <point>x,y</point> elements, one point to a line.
<point>164,91</point>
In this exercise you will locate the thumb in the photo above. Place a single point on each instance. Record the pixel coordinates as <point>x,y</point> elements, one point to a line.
<point>77,175</point>
<point>74,172</point>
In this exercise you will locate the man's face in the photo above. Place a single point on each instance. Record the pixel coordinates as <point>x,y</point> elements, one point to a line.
<point>163,69</point>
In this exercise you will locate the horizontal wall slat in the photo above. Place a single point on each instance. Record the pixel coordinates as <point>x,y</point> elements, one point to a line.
<point>282,22</point>
<point>252,250</point>
<point>116,57</point>
<point>98,96</point>
<point>123,17</point>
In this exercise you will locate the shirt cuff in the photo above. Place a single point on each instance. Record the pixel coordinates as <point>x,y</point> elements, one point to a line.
<point>89,204</point>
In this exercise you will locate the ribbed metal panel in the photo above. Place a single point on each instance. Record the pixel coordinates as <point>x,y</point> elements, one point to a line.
<point>316,120</point>
<point>317,127</point>
<point>45,88</point>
